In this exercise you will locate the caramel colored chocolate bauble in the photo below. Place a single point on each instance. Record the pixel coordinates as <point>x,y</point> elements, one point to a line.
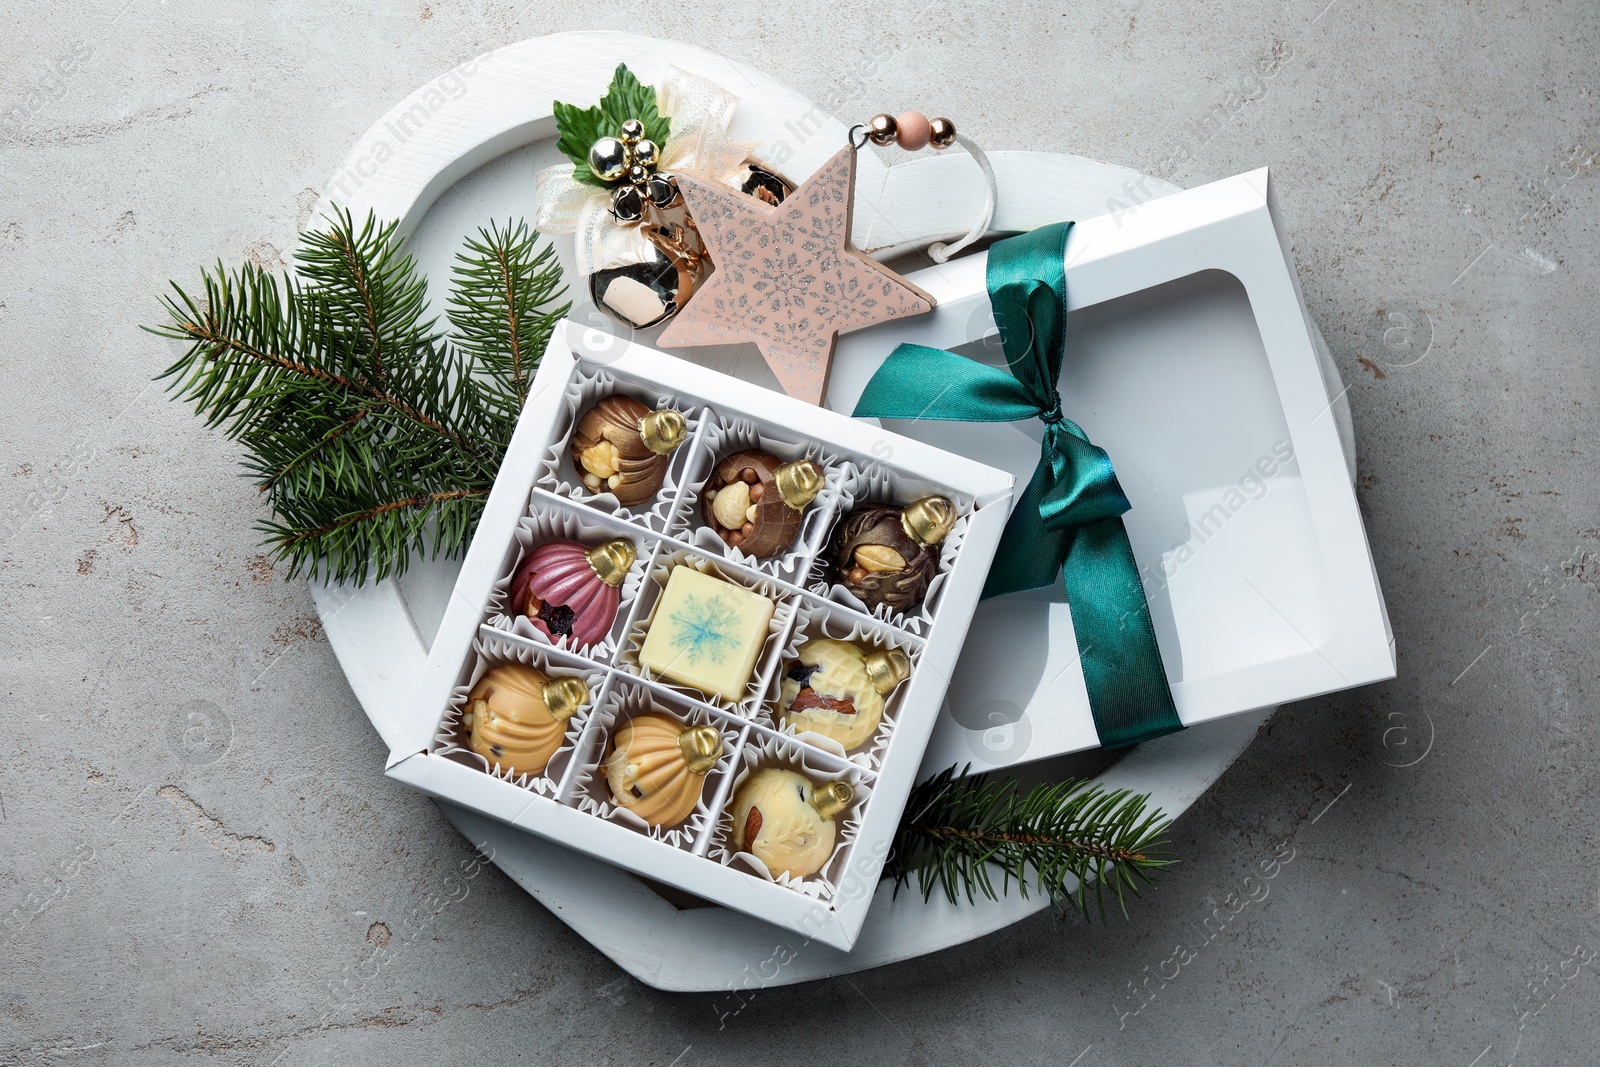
<point>657,767</point>
<point>622,447</point>
<point>786,822</point>
<point>888,554</point>
<point>755,501</point>
<point>517,716</point>
<point>837,689</point>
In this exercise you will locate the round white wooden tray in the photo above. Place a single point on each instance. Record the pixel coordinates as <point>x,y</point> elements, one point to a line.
<point>463,149</point>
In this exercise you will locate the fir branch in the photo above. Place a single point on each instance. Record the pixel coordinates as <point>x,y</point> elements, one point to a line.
<point>372,435</point>
<point>503,285</point>
<point>958,829</point>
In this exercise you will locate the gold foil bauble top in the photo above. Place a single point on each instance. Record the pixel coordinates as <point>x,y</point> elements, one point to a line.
<point>662,431</point>
<point>701,747</point>
<point>929,521</point>
<point>832,798</point>
<point>564,696</point>
<point>798,482</point>
<point>612,560</point>
<point>887,669</point>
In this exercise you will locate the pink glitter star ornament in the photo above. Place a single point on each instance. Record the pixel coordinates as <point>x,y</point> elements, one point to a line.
<point>786,277</point>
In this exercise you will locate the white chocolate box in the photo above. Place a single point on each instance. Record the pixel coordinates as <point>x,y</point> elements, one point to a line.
<point>536,498</point>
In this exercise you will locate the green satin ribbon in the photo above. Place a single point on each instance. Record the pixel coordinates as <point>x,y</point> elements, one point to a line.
<point>1068,521</point>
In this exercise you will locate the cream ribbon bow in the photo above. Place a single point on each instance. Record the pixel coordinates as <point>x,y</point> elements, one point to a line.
<point>699,145</point>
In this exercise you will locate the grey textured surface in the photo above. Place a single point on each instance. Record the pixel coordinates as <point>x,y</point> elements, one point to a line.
<point>199,859</point>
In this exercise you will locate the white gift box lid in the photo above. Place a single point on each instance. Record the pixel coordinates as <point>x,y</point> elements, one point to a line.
<point>1191,360</point>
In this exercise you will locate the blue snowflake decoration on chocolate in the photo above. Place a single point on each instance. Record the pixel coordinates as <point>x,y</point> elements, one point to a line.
<point>705,629</point>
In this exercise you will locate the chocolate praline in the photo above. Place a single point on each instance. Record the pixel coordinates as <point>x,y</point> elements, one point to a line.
<point>755,502</point>
<point>838,689</point>
<point>621,447</point>
<point>886,554</point>
<point>786,821</point>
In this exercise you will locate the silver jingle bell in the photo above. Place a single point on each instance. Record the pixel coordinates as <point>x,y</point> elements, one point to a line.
<point>765,185</point>
<point>626,203</point>
<point>662,190</point>
<point>609,159</point>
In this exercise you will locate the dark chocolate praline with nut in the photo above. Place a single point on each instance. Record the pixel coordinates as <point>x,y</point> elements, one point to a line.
<point>886,554</point>
<point>755,501</point>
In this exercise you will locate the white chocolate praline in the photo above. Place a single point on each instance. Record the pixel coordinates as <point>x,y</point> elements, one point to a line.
<point>706,633</point>
<point>841,675</point>
<point>790,836</point>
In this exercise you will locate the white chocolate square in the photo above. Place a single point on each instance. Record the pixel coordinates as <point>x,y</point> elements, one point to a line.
<point>706,633</point>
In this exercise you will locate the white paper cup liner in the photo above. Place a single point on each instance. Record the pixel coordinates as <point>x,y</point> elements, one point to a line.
<point>554,520</point>
<point>816,620</point>
<point>724,435</point>
<point>489,651</point>
<point>589,792</point>
<point>873,483</point>
<point>763,750</point>
<point>557,474</point>
<point>784,600</point>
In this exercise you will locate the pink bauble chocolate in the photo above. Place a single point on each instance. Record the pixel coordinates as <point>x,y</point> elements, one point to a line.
<point>569,590</point>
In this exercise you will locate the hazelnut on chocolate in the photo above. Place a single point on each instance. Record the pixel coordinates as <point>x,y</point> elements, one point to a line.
<point>755,501</point>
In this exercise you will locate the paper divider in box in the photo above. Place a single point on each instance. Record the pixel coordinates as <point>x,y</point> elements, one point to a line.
<point>491,649</point>
<point>725,434</point>
<point>823,619</point>
<point>587,790</point>
<point>556,474</point>
<point>763,749</point>
<point>876,482</point>
<point>670,555</point>
<point>552,518</point>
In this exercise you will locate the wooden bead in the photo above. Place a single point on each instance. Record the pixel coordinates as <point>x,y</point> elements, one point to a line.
<point>943,133</point>
<point>912,130</point>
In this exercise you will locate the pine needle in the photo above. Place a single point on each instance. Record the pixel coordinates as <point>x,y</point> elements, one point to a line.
<point>959,830</point>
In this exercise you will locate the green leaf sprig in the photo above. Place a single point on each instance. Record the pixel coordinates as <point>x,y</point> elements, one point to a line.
<point>578,128</point>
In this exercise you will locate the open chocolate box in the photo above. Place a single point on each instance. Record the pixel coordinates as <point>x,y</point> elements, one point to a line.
<point>687,593</point>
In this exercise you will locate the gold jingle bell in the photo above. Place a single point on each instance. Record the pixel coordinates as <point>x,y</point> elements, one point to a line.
<point>564,696</point>
<point>767,186</point>
<point>832,798</point>
<point>645,293</point>
<point>701,747</point>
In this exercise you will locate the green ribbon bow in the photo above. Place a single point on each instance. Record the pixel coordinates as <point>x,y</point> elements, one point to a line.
<point>1068,521</point>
